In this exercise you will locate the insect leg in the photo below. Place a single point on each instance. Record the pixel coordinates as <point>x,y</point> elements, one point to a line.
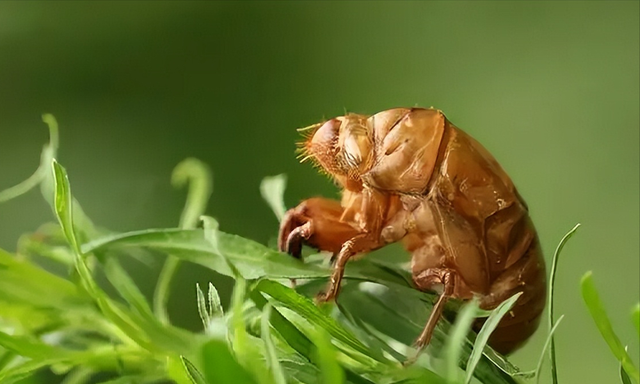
<point>333,259</point>
<point>317,223</point>
<point>340,261</point>
<point>360,243</point>
<point>293,245</point>
<point>447,278</point>
<point>292,219</point>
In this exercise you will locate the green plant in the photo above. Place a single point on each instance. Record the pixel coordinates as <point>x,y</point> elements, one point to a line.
<point>270,334</point>
<point>591,298</point>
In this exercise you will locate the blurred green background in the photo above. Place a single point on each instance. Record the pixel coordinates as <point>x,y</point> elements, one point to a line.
<point>550,88</point>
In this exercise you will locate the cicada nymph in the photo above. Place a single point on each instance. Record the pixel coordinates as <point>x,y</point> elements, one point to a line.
<point>410,175</point>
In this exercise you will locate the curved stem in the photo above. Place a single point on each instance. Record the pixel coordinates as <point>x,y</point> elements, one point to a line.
<point>197,175</point>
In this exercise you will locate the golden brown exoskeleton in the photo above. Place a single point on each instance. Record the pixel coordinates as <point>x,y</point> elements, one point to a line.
<point>410,175</point>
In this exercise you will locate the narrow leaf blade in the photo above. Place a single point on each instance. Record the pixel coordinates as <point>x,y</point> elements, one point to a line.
<point>272,191</point>
<point>455,342</point>
<point>326,359</point>
<point>215,307</point>
<point>202,308</point>
<point>552,280</point>
<point>547,342</point>
<point>192,372</point>
<point>486,330</point>
<point>599,315</point>
<point>271,355</point>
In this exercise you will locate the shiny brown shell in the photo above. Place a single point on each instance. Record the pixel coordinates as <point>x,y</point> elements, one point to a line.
<point>410,175</point>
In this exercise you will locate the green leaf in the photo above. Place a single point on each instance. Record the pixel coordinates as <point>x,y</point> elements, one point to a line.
<point>192,372</point>
<point>301,372</point>
<point>25,370</point>
<point>376,340</point>
<point>272,191</point>
<point>24,282</point>
<point>401,317</point>
<point>27,347</point>
<point>212,234</point>
<point>624,378</point>
<point>552,281</point>
<point>330,370</point>
<point>245,351</point>
<point>202,308</point>
<point>253,260</point>
<point>63,206</point>
<point>547,342</point>
<point>297,339</point>
<point>80,375</point>
<point>63,210</point>
<point>127,288</point>
<point>136,328</point>
<point>457,339</point>
<point>292,335</point>
<point>215,307</point>
<point>599,315</point>
<point>504,365</point>
<point>42,243</point>
<point>220,367</point>
<point>176,371</point>
<point>272,358</point>
<point>212,311</point>
<point>486,330</point>
<point>307,309</point>
<point>103,358</point>
<point>237,321</point>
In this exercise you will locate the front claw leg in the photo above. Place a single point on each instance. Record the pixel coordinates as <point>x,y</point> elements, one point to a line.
<point>315,222</point>
<point>295,229</point>
<point>296,238</point>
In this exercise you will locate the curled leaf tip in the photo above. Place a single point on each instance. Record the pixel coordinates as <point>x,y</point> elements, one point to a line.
<point>52,123</point>
<point>190,168</point>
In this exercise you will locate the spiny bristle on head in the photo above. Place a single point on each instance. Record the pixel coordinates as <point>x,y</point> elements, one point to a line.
<point>302,147</point>
<point>308,131</point>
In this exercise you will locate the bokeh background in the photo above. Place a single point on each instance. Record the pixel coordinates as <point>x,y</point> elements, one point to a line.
<point>550,88</point>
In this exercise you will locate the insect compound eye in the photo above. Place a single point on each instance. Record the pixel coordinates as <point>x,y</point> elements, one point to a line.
<point>327,135</point>
<point>342,146</point>
<point>356,146</point>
